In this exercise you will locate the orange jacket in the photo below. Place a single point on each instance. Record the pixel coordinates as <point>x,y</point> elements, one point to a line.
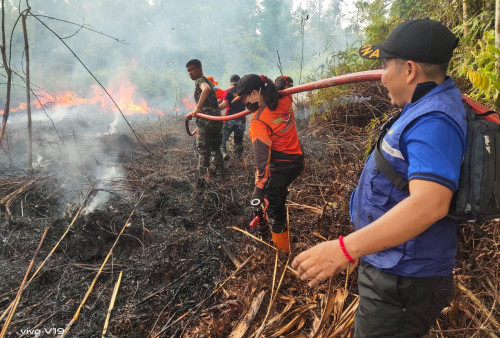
<point>275,141</point>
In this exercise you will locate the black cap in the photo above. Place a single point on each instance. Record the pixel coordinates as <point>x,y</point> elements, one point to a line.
<point>248,83</point>
<point>420,40</point>
<point>234,78</point>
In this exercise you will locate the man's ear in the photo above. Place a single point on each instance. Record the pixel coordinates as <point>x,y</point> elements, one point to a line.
<point>410,69</point>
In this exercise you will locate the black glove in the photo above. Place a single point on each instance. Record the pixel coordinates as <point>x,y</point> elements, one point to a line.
<point>258,194</point>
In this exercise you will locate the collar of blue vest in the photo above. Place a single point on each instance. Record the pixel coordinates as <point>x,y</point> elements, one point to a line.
<point>422,89</point>
<point>445,85</point>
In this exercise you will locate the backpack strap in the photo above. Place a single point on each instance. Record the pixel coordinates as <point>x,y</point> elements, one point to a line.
<point>386,168</point>
<point>497,174</point>
<point>396,179</point>
<point>490,112</point>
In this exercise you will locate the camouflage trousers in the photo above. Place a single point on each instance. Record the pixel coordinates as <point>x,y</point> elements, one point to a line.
<point>208,141</point>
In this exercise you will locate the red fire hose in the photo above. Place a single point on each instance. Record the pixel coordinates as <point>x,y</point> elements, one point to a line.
<point>481,109</point>
<point>370,75</point>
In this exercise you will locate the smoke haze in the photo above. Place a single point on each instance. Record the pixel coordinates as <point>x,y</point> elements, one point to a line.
<point>150,42</point>
<point>138,50</point>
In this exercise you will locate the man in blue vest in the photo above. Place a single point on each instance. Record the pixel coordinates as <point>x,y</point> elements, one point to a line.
<point>404,241</point>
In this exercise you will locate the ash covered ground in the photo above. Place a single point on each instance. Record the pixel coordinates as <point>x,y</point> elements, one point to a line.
<point>187,272</point>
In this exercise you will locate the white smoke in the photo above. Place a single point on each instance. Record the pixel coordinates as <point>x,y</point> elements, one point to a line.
<point>81,152</point>
<point>113,127</point>
<point>104,187</point>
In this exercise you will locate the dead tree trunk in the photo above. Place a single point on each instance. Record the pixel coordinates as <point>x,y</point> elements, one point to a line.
<point>8,71</point>
<point>28,87</point>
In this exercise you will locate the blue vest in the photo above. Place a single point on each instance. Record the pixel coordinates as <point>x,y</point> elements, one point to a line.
<point>431,253</point>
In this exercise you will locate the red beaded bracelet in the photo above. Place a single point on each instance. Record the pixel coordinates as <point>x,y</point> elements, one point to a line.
<point>341,242</point>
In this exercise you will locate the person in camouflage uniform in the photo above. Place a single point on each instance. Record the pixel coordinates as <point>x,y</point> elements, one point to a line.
<point>209,135</point>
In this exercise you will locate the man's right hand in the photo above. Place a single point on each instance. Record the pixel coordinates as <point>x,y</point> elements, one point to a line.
<point>320,262</point>
<point>192,114</point>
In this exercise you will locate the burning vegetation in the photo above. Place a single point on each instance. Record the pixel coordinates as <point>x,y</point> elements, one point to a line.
<point>124,241</point>
<point>120,88</point>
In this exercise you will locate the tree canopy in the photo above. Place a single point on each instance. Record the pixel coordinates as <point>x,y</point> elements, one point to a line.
<point>151,41</point>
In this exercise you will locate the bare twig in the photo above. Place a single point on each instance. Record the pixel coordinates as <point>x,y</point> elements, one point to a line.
<point>28,98</point>
<point>112,304</point>
<point>315,210</point>
<point>168,285</point>
<point>254,237</point>
<point>97,80</point>
<point>83,26</point>
<point>479,304</point>
<point>204,300</point>
<point>492,334</point>
<point>280,67</point>
<point>274,292</point>
<point>21,287</point>
<point>91,287</point>
<point>6,66</point>
<point>7,200</point>
<point>50,253</point>
<point>42,106</point>
<point>303,19</point>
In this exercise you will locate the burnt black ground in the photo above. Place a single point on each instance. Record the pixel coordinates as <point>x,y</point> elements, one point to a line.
<point>177,249</point>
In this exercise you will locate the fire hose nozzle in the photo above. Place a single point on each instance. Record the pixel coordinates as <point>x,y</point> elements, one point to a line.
<point>259,212</point>
<point>255,202</point>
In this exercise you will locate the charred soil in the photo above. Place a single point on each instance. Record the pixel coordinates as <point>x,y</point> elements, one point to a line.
<point>189,269</point>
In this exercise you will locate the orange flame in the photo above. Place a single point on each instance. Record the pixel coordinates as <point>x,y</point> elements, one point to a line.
<point>188,104</point>
<point>124,96</point>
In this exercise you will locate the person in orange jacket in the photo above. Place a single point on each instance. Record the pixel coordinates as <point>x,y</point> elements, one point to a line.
<point>277,149</point>
<point>218,92</point>
<point>283,82</point>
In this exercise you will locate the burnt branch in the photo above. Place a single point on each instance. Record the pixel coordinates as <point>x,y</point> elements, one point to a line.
<point>82,26</point>
<point>39,101</point>
<point>28,98</point>
<point>9,77</point>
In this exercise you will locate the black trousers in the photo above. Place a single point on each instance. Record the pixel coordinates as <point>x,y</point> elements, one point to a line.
<point>276,192</point>
<point>398,306</point>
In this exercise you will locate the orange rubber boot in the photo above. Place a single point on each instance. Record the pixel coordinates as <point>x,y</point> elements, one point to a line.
<point>282,241</point>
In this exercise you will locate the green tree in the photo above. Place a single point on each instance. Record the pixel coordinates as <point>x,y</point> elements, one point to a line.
<point>278,33</point>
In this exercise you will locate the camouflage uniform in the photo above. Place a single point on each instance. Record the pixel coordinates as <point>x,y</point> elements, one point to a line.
<point>209,135</point>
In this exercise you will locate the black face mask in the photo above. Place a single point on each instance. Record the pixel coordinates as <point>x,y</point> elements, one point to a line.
<point>253,107</point>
